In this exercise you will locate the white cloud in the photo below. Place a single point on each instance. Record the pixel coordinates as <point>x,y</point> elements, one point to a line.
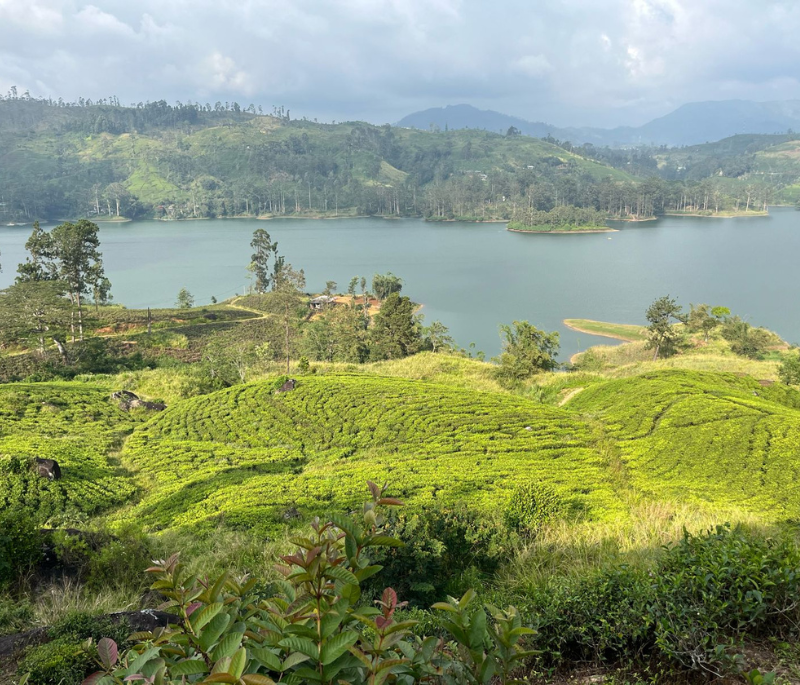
<point>378,59</point>
<point>533,65</point>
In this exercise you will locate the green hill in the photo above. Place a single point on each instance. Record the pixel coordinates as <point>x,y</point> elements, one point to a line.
<point>252,457</point>
<point>108,161</point>
<point>710,438</point>
<point>256,459</point>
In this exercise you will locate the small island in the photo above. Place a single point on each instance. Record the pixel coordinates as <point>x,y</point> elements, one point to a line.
<point>562,219</point>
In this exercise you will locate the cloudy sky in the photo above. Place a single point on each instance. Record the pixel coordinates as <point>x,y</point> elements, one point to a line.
<point>568,62</point>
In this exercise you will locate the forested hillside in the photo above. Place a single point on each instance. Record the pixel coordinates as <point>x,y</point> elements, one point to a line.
<point>107,161</point>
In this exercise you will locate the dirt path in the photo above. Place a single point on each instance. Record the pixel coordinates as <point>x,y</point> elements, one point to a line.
<point>569,395</point>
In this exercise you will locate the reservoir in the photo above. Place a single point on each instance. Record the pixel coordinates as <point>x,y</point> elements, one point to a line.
<point>473,277</point>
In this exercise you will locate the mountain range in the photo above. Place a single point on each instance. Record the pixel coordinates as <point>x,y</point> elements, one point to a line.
<point>690,124</point>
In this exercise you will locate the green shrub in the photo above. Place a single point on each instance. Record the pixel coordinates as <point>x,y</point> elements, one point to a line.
<point>713,590</point>
<point>447,550</point>
<point>15,615</point>
<point>316,629</point>
<point>20,545</point>
<point>60,662</point>
<point>81,625</point>
<point>531,505</point>
<point>602,618</point>
<point>121,561</point>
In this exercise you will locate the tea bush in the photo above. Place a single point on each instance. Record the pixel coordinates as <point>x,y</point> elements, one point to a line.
<point>532,505</point>
<point>447,550</point>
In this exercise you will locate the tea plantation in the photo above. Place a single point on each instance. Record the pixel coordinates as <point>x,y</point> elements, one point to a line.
<point>708,437</point>
<point>256,458</point>
<point>79,427</point>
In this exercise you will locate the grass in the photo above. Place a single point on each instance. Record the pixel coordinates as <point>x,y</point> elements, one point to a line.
<point>619,331</point>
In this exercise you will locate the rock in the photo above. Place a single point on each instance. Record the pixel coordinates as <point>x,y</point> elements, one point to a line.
<point>140,621</point>
<point>288,386</point>
<point>291,514</point>
<point>124,396</point>
<point>128,400</point>
<point>47,468</point>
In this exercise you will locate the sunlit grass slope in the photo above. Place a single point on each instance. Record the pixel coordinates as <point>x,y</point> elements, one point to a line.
<point>712,438</point>
<point>79,427</point>
<point>253,457</point>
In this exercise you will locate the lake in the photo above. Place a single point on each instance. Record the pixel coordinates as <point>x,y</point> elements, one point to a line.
<point>473,277</point>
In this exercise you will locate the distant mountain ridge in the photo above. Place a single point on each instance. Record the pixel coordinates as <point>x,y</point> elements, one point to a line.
<point>691,124</point>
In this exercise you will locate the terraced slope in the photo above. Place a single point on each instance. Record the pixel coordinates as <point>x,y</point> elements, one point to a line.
<point>78,426</point>
<point>705,437</point>
<point>254,457</point>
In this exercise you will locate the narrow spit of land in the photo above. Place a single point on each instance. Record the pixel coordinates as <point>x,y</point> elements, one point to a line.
<point>618,331</point>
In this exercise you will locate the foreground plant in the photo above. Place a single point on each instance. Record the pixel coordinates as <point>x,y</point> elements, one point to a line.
<point>314,628</point>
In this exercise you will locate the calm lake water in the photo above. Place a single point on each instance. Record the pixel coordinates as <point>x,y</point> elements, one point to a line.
<point>473,277</point>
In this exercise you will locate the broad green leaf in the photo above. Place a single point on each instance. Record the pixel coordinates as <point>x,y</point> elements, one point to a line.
<point>270,660</point>
<point>337,645</point>
<point>227,646</point>
<point>189,667</point>
<point>384,541</point>
<point>200,618</point>
<point>257,679</point>
<point>212,632</point>
<point>293,660</point>
<point>302,645</point>
<point>238,663</point>
<point>341,573</point>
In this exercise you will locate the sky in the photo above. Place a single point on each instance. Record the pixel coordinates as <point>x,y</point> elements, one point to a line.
<point>566,62</point>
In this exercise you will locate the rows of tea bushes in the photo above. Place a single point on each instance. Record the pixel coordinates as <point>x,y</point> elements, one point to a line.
<point>709,437</point>
<point>257,458</point>
<point>78,426</point>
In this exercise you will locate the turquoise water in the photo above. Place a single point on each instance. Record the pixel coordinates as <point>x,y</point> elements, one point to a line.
<point>474,277</point>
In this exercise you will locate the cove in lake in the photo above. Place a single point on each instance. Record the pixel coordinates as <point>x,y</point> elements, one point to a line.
<point>473,277</point>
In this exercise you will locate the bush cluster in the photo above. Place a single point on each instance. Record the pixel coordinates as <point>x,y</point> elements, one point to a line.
<point>692,610</point>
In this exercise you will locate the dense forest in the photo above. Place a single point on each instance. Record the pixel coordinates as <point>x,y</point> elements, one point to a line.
<point>102,160</point>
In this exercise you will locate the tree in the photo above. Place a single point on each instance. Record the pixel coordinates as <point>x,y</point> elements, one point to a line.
<point>264,250</point>
<point>330,288</point>
<point>76,261</point>
<point>33,311</point>
<point>721,313</point>
<point>185,299</point>
<point>437,336</point>
<point>744,339</point>
<point>395,332</point>
<point>701,319</point>
<point>526,351</point>
<point>789,370</point>
<point>384,285</point>
<point>38,266</point>
<point>286,302</point>
<point>663,337</point>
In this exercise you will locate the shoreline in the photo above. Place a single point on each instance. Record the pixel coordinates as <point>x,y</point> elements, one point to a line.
<point>567,232</point>
<point>740,215</point>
